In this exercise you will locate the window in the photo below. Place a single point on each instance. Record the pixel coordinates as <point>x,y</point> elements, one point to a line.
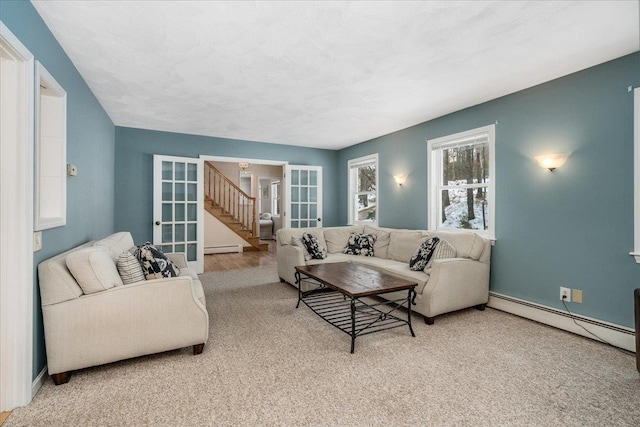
<point>363,190</point>
<point>275,198</point>
<point>462,181</point>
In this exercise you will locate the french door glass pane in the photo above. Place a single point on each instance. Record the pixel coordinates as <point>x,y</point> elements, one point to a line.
<point>295,194</point>
<point>304,177</point>
<point>179,233</point>
<point>295,177</point>
<point>180,248</point>
<point>192,172</point>
<point>192,192</point>
<point>166,191</point>
<point>191,232</point>
<point>179,192</point>
<point>167,170</point>
<point>192,213</point>
<point>466,208</point>
<point>313,210</point>
<point>166,212</point>
<point>295,212</point>
<point>304,211</point>
<point>179,208</point>
<point>167,233</point>
<point>191,252</point>
<point>179,171</point>
<point>313,194</point>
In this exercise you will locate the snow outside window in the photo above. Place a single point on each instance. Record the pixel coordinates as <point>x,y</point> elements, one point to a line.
<point>462,181</point>
<point>363,190</point>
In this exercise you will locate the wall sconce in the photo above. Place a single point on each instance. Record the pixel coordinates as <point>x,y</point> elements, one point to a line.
<point>400,179</point>
<point>552,161</point>
<point>243,165</point>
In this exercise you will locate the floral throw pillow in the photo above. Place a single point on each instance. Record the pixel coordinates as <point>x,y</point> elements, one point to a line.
<point>422,257</point>
<point>313,247</point>
<point>360,244</point>
<point>155,264</point>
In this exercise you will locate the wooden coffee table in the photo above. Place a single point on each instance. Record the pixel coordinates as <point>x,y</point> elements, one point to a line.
<point>338,292</point>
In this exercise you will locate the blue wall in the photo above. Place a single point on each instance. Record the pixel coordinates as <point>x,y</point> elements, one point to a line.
<point>90,146</point>
<point>572,227</point>
<point>134,170</point>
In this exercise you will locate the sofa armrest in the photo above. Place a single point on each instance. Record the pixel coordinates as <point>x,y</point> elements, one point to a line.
<point>288,257</point>
<point>179,259</point>
<point>122,322</point>
<point>456,283</point>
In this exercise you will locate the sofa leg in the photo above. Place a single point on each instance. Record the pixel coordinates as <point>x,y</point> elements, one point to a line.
<point>197,349</point>
<point>60,378</point>
<point>481,307</point>
<point>429,320</point>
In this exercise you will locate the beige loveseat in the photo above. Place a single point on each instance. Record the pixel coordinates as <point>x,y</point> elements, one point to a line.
<point>449,284</point>
<point>146,317</point>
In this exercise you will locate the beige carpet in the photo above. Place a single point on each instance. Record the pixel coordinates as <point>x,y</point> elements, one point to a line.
<point>267,363</point>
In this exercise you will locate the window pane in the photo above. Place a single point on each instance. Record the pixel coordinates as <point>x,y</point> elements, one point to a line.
<point>304,194</point>
<point>179,194</point>
<point>304,177</point>
<point>295,180</point>
<point>167,171</point>
<point>365,207</point>
<point>294,212</point>
<point>304,211</point>
<point>192,212</point>
<point>192,191</point>
<point>167,233</point>
<point>191,252</point>
<point>313,210</point>
<point>295,194</point>
<point>179,233</point>
<point>179,211</point>
<point>179,248</point>
<point>468,164</point>
<point>192,172</point>
<point>313,194</point>
<point>167,212</point>
<point>295,224</point>
<point>166,191</point>
<point>366,178</point>
<point>179,171</point>
<point>191,232</point>
<point>465,208</point>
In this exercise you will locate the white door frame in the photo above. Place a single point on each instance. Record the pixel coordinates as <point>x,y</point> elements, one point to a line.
<point>16,228</point>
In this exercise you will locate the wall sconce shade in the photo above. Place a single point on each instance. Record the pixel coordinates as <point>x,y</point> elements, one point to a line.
<point>400,179</point>
<point>243,165</point>
<point>552,161</point>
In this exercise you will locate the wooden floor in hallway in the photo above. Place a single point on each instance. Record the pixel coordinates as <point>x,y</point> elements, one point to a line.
<point>235,261</point>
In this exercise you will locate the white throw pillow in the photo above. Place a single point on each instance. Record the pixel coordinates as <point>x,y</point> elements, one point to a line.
<point>443,250</point>
<point>129,268</point>
<point>94,269</point>
<point>297,241</point>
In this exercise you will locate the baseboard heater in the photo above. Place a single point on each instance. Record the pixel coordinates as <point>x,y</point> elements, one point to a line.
<point>223,249</point>
<point>617,335</point>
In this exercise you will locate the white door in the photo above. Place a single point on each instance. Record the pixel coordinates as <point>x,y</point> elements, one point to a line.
<point>303,192</point>
<point>178,193</point>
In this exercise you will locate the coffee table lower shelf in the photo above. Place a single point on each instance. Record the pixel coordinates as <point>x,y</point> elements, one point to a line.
<point>354,316</point>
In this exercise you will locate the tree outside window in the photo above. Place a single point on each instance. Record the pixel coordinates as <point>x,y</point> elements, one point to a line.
<point>363,190</point>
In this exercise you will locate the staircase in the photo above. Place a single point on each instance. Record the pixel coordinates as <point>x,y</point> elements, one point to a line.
<point>233,207</point>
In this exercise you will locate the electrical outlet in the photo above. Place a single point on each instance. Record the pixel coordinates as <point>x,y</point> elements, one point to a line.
<point>577,296</point>
<point>565,294</point>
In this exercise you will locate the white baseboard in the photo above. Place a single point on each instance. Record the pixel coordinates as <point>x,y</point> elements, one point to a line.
<point>40,379</point>
<point>617,335</point>
<point>223,249</point>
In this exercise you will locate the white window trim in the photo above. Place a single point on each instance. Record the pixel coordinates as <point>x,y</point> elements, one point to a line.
<point>351,188</point>
<point>636,175</point>
<point>275,201</point>
<point>434,165</point>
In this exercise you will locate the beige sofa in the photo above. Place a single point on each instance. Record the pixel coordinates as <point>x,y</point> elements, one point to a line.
<point>450,284</point>
<point>146,317</point>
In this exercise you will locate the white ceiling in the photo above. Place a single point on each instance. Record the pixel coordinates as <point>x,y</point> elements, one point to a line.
<point>325,74</point>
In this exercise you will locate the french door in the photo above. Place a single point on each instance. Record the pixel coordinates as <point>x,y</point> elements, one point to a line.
<point>303,193</point>
<point>178,194</point>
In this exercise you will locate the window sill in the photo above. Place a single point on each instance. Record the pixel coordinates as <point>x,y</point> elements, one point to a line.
<point>636,255</point>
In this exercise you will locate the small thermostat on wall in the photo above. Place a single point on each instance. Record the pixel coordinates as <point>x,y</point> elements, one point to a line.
<point>72,170</point>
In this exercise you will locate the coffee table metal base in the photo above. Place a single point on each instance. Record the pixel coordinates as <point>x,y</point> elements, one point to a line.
<point>354,316</point>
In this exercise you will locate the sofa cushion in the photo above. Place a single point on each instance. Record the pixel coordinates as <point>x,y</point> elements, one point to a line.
<point>403,244</point>
<point>56,282</point>
<point>116,243</point>
<point>360,244</point>
<point>94,269</point>
<point>381,246</point>
<point>423,255</point>
<point>468,244</point>
<point>443,250</point>
<point>402,271</point>
<point>297,241</point>
<point>336,237</point>
<point>313,247</point>
<point>129,268</point>
<point>155,264</point>
<point>332,258</point>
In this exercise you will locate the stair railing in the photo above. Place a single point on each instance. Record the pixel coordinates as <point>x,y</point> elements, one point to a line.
<point>226,195</point>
